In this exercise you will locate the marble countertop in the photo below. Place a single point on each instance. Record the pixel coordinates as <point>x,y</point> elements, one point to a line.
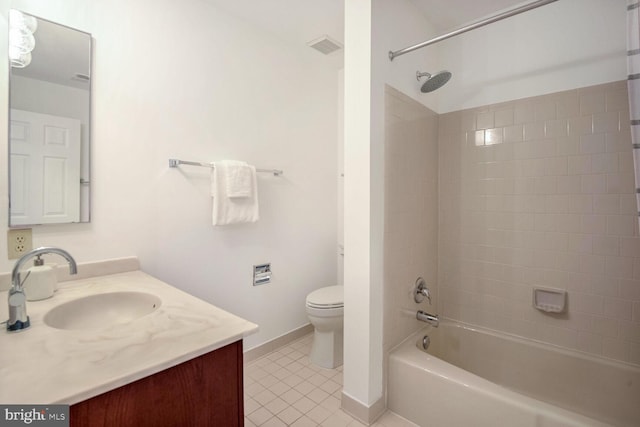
<point>43,365</point>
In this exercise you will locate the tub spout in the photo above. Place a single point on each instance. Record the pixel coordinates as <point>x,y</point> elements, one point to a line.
<point>429,318</point>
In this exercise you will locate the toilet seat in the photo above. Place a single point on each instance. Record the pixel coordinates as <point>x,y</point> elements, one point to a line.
<point>331,297</point>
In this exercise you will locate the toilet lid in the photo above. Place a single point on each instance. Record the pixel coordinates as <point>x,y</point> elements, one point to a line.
<point>329,297</point>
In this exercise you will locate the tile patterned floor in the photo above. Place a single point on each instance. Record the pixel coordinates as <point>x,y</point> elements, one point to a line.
<point>284,388</point>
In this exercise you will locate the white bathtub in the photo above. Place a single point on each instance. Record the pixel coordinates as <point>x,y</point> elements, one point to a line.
<point>476,377</point>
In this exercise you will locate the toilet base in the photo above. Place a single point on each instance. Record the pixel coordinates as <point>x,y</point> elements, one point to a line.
<point>326,350</point>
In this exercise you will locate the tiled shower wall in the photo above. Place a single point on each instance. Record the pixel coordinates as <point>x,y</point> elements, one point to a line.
<point>540,192</point>
<point>411,212</point>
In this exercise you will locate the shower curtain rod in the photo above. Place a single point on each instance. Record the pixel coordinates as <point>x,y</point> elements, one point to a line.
<point>470,27</point>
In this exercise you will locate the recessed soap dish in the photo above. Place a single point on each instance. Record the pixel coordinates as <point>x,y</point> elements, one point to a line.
<point>550,300</point>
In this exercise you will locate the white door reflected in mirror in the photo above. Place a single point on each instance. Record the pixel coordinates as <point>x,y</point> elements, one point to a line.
<point>45,168</point>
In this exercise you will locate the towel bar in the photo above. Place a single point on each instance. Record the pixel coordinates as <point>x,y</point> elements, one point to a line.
<point>174,163</point>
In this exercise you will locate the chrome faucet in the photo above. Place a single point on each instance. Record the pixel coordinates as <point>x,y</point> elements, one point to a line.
<point>431,319</point>
<point>18,318</point>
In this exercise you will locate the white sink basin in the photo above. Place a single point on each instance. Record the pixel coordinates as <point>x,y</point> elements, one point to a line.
<point>101,310</point>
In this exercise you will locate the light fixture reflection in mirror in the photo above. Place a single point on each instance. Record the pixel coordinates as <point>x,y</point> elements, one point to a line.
<point>49,122</point>
<point>21,39</point>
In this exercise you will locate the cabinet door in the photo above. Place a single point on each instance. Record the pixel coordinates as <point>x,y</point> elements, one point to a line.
<point>205,391</point>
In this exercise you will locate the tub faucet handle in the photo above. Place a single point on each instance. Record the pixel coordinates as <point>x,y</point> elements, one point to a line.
<point>421,291</point>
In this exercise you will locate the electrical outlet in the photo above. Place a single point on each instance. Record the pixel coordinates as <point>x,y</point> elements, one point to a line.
<point>19,242</point>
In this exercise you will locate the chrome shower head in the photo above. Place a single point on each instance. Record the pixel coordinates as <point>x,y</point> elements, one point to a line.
<point>434,81</point>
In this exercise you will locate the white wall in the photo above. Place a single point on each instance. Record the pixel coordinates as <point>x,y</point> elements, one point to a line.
<point>188,81</point>
<point>358,333</point>
<point>564,45</point>
<point>396,25</point>
<point>340,187</point>
<point>371,30</point>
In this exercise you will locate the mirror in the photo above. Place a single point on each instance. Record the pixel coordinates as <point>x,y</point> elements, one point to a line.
<point>49,122</point>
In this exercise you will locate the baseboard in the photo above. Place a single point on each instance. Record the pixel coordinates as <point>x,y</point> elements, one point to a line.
<point>262,349</point>
<point>363,413</point>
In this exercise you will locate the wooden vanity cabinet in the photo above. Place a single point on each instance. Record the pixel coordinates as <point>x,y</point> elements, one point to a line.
<point>205,391</point>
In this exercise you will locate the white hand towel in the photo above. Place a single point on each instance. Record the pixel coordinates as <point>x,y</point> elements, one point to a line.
<point>239,176</point>
<point>235,193</point>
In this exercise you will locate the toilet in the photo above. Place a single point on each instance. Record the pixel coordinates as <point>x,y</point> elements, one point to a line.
<point>325,309</point>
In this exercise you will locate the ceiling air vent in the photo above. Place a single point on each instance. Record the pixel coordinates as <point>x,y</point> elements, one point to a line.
<point>325,45</point>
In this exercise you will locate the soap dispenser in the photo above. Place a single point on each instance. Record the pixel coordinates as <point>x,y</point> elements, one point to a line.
<point>40,281</point>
